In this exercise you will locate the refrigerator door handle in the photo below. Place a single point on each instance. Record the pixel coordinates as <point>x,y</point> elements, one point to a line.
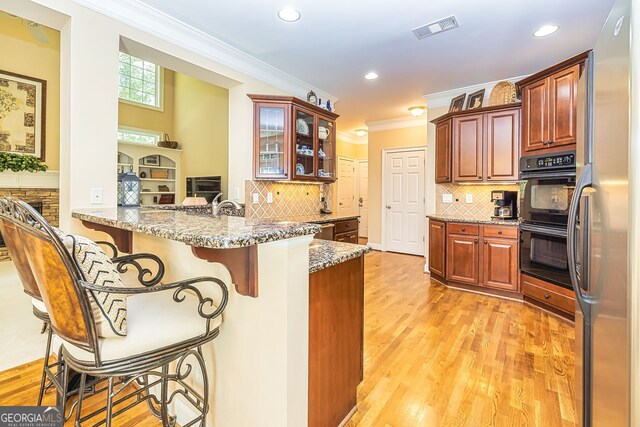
<point>584,181</point>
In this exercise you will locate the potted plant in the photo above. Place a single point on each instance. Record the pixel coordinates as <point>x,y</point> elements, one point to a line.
<point>20,162</point>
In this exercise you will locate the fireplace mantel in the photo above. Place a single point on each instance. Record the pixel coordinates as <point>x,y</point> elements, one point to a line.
<point>41,180</point>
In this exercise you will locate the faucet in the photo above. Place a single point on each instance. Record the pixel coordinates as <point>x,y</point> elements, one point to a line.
<point>215,206</point>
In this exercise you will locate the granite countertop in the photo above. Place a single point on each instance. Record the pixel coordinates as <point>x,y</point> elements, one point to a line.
<point>317,218</point>
<point>196,229</point>
<point>327,253</point>
<point>472,219</point>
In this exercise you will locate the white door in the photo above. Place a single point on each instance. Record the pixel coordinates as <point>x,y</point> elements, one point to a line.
<point>404,201</point>
<point>363,196</point>
<point>346,186</point>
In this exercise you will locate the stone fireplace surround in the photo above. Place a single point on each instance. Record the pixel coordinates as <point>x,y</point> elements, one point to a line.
<point>43,189</point>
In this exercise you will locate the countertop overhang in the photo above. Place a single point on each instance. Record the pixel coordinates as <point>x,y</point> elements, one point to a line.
<point>199,230</point>
<point>327,253</point>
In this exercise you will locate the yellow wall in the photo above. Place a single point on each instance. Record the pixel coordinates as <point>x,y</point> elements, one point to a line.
<point>395,138</point>
<point>20,54</point>
<point>201,126</point>
<point>150,119</point>
<point>354,151</point>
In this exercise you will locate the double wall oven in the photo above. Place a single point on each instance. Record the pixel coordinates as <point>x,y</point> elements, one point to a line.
<point>546,188</point>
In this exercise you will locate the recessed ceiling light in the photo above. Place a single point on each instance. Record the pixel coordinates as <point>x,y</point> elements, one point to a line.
<point>417,111</point>
<point>371,75</point>
<point>545,30</point>
<point>361,132</point>
<point>289,14</point>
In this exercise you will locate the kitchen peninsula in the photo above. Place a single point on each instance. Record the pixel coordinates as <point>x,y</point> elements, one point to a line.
<point>271,355</point>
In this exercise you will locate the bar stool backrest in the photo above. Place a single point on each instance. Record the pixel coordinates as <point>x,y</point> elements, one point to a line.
<point>57,276</point>
<point>11,238</point>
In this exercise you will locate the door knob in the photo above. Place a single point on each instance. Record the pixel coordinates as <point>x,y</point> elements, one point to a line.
<point>388,206</point>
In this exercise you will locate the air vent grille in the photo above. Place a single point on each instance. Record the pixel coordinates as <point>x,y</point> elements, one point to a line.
<point>436,27</point>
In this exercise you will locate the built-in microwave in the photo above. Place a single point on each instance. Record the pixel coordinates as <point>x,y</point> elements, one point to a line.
<point>204,186</point>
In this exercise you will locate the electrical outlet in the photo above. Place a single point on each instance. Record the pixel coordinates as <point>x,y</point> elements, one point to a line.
<point>236,193</point>
<point>447,198</point>
<point>469,198</point>
<point>96,196</point>
<point>255,198</point>
<point>269,197</point>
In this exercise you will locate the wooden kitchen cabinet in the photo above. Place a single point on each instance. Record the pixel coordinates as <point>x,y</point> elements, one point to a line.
<point>443,152</point>
<point>481,257</point>
<point>500,263</point>
<point>468,137</point>
<point>437,247</point>
<point>293,140</point>
<point>483,144</point>
<point>462,259</point>
<point>549,107</point>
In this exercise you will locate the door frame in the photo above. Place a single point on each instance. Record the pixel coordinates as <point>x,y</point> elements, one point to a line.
<point>359,162</point>
<point>383,196</point>
<point>355,181</point>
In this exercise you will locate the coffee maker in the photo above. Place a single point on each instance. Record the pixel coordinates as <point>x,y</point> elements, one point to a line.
<point>506,205</point>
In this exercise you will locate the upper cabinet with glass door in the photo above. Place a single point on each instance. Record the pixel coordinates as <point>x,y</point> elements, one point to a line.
<point>293,140</point>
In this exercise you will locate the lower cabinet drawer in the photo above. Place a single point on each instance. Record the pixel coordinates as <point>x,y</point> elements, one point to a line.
<point>348,237</point>
<point>549,294</point>
<point>463,228</point>
<point>348,225</point>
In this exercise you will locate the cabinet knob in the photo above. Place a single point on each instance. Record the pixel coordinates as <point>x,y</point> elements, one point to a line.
<point>547,296</point>
<point>475,241</point>
<point>499,231</point>
<point>485,242</point>
<point>488,177</point>
<point>462,229</point>
<point>388,206</point>
<point>479,177</point>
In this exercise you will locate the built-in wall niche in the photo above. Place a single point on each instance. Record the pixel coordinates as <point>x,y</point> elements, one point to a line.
<point>158,180</point>
<point>158,169</point>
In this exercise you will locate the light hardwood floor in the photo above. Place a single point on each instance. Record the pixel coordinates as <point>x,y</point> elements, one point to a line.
<point>433,357</point>
<point>441,357</point>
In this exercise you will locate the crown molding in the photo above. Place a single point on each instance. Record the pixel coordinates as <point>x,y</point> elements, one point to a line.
<point>351,139</point>
<point>163,26</point>
<point>443,99</point>
<point>397,123</point>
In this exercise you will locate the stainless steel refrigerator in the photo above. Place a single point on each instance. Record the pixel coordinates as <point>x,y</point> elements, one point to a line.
<point>598,228</point>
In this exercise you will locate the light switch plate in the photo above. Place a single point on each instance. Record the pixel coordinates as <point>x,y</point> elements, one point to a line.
<point>469,198</point>
<point>269,197</point>
<point>255,198</point>
<point>96,196</point>
<point>447,198</point>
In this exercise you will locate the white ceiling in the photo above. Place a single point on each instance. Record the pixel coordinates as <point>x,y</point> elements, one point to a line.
<point>336,42</point>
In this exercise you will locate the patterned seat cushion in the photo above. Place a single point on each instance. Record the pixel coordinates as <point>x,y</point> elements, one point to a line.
<point>109,309</point>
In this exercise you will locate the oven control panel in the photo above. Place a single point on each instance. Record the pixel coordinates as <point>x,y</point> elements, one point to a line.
<point>566,160</point>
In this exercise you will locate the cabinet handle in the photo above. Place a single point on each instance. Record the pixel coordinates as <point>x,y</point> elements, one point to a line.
<point>547,296</point>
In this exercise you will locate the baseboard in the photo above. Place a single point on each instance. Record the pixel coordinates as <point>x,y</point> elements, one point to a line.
<point>348,417</point>
<point>375,246</point>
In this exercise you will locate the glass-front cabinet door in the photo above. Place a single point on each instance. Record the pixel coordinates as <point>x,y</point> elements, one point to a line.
<point>272,133</point>
<point>305,165</point>
<point>326,149</point>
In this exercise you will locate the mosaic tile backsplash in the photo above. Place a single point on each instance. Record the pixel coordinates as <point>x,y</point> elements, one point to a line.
<point>289,199</point>
<point>482,205</point>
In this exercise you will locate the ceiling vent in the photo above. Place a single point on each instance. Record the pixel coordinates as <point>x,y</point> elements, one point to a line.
<point>448,23</point>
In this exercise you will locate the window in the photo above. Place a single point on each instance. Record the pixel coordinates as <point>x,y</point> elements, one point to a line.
<point>139,136</point>
<point>139,81</point>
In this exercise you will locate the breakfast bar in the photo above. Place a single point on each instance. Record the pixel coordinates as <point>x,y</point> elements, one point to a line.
<point>264,367</point>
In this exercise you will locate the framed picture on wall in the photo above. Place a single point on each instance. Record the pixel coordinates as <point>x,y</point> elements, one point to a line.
<point>153,160</point>
<point>22,114</point>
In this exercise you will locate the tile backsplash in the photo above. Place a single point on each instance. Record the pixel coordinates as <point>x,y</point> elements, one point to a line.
<point>482,205</point>
<point>289,199</point>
